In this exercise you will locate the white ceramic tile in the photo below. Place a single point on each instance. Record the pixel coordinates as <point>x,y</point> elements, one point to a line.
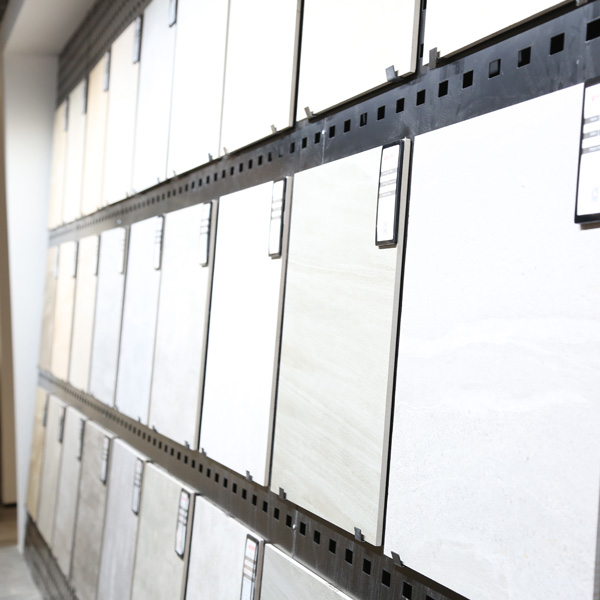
<point>334,67</point>
<point>83,313</point>
<point>75,153</point>
<point>154,100</point>
<point>57,173</point>
<point>159,571</point>
<point>218,548</point>
<point>493,486</point>
<point>49,307</point>
<point>138,331</point>
<point>63,313</point>
<point>237,406</point>
<point>95,139</point>
<point>107,320</point>
<point>478,21</point>
<point>120,124</point>
<point>286,579</point>
<point>197,83</point>
<point>180,333</point>
<point>68,488</point>
<point>331,431</point>
<point>91,507</point>
<point>50,468</point>
<point>259,70</point>
<point>37,453</point>
<point>121,524</point>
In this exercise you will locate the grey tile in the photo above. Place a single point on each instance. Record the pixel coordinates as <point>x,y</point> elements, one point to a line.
<point>16,581</point>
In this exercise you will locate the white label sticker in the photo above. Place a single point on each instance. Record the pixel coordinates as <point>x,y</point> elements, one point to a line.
<point>137,40</point>
<point>276,229</point>
<point>137,486</point>
<point>204,240</point>
<point>387,198</point>
<point>104,463</point>
<point>81,433</point>
<point>588,186</point>
<point>249,569</point>
<point>182,521</point>
<point>158,242</point>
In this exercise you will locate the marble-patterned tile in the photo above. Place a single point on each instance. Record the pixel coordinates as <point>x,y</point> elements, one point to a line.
<point>196,102</point>
<point>57,172</point>
<point>95,137</point>
<point>37,452</point>
<point>51,461</point>
<point>121,522</point>
<point>63,312</point>
<point>164,532</point>
<point>120,120</point>
<point>91,507</point>
<point>140,310</point>
<point>237,407</point>
<point>49,308</point>
<point>108,313</point>
<point>334,68</point>
<point>180,332</point>
<point>259,82</point>
<point>226,549</point>
<point>334,403</point>
<point>284,578</point>
<point>83,312</point>
<point>76,119</point>
<point>154,99</point>
<point>494,486</point>
<point>68,489</point>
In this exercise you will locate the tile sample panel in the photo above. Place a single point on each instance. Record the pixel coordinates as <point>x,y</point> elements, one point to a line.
<point>259,73</point>
<point>95,137</point>
<point>76,119</point>
<point>50,467</point>
<point>495,463</point>
<point>334,68</point>
<point>120,124</point>
<point>89,524</point>
<point>63,312</point>
<point>37,452</point>
<point>219,547</point>
<point>237,406</point>
<point>159,570</point>
<point>83,314</point>
<point>154,101</point>
<point>139,320</point>
<point>57,173</point>
<point>107,320</point>
<point>49,308</point>
<point>196,101</point>
<point>68,489</point>
<point>121,523</point>
<point>285,579</point>
<point>331,430</point>
<point>180,334</point>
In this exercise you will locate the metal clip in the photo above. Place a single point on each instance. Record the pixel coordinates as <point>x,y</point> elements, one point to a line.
<point>204,241</point>
<point>397,560</point>
<point>358,536</point>
<point>106,71</point>
<point>158,242</point>
<point>75,260</point>
<point>434,55</point>
<point>137,40</point>
<point>276,226</point>
<point>172,12</point>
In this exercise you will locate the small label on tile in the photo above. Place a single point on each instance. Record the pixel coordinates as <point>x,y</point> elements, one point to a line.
<point>45,417</point>
<point>249,569</point>
<point>158,242</point>
<point>172,12</point>
<point>81,434</point>
<point>61,426</point>
<point>204,241</point>
<point>276,228</point>
<point>137,486</point>
<point>388,196</point>
<point>104,462</point>
<point>137,40</point>
<point>106,81</point>
<point>182,522</point>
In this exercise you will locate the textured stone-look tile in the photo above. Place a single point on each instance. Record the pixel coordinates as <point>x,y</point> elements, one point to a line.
<point>57,173</point>
<point>218,548</point>
<point>95,137</point>
<point>159,571</point>
<point>68,490</point>
<point>154,99</point>
<point>63,310</point>
<point>334,67</point>
<point>120,124</point>
<point>237,406</point>
<point>332,424</point>
<point>83,312</point>
<point>138,331</point>
<point>107,319</point>
<point>91,507</point>
<point>51,461</point>
<point>253,65</point>
<point>37,453</point>
<point>121,523</point>
<point>286,579</point>
<point>494,486</point>
<point>49,307</point>
<point>180,333</point>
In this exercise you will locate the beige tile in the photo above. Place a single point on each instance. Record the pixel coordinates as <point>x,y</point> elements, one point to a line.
<point>37,452</point>
<point>49,308</point>
<point>57,173</point>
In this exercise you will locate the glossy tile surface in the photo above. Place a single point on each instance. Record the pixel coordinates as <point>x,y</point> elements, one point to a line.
<point>107,319</point>
<point>37,454</point>
<point>83,312</point>
<point>140,309</point>
<point>259,70</point>
<point>184,293</point>
<point>494,463</point>
<point>57,173</point>
<point>334,67</point>
<point>237,406</point>
<point>49,307</point>
<point>331,430</point>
